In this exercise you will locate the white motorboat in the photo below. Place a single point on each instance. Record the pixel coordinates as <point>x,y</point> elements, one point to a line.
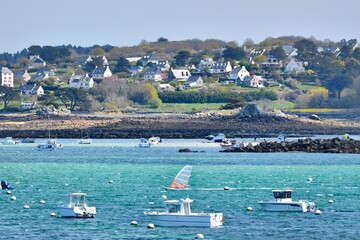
<point>283,203</point>
<point>228,143</point>
<point>154,140</point>
<point>49,145</point>
<point>220,137</point>
<point>144,143</point>
<point>85,141</point>
<point>74,206</point>
<point>178,214</point>
<point>9,141</point>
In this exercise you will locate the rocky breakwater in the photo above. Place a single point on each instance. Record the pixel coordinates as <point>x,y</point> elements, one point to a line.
<point>334,145</point>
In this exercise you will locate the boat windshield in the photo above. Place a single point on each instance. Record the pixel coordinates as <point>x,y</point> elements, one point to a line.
<point>282,194</point>
<point>173,208</point>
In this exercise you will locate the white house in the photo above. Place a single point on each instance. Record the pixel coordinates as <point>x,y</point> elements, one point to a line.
<point>179,74</point>
<point>81,81</point>
<point>101,72</point>
<point>153,74</point>
<point>36,62</point>
<point>6,77</point>
<point>294,66</point>
<point>149,59</point>
<point>206,63</point>
<point>194,81</point>
<point>239,73</point>
<point>221,67</point>
<point>31,89</point>
<point>271,62</point>
<point>252,81</point>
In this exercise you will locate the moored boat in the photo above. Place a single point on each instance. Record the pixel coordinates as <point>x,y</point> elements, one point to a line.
<point>178,214</point>
<point>144,143</point>
<point>154,140</point>
<point>27,140</point>
<point>85,141</point>
<point>9,141</point>
<point>283,203</point>
<point>74,206</point>
<point>49,145</point>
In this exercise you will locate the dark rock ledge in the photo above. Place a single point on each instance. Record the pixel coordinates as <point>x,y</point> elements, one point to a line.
<point>335,145</point>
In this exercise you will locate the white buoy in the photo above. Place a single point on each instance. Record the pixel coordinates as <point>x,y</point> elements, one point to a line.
<point>199,236</point>
<point>226,188</point>
<point>317,212</point>
<point>26,206</point>
<point>110,181</point>
<point>331,201</point>
<point>163,197</point>
<point>309,179</point>
<point>52,214</point>
<point>42,201</point>
<point>13,198</point>
<point>249,208</point>
<point>134,223</point>
<point>150,226</point>
<point>8,192</point>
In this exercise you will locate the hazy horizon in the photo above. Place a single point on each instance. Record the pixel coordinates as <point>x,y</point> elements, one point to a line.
<point>90,22</point>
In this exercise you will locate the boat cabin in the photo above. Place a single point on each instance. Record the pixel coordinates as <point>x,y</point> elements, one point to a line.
<point>181,206</point>
<point>75,199</point>
<point>282,195</point>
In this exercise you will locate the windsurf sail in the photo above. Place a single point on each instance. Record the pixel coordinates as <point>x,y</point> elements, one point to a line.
<point>182,178</point>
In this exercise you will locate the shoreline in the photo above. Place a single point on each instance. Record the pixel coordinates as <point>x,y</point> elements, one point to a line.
<point>171,125</point>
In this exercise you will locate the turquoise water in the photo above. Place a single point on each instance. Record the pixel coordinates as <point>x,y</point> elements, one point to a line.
<point>139,174</point>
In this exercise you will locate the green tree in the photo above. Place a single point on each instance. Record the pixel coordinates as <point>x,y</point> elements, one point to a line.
<point>72,97</point>
<point>234,53</point>
<point>161,39</point>
<point>8,94</point>
<point>182,58</point>
<point>122,65</point>
<point>356,54</point>
<point>278,52</point>
<point>307,50</point>
<point>48,100</point>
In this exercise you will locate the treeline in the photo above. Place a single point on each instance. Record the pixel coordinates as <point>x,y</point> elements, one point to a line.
<point>215,97</point>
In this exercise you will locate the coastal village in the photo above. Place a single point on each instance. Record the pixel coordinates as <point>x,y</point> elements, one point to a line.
<point>288,74</point>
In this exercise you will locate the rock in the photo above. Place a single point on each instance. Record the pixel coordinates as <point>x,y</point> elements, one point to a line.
<point>185,150</point>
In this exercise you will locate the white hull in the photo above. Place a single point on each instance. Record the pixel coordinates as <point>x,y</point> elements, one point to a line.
<point>77,212</point>
<point>85,141</point>
<point>191,220</point>
<point>300,206</point>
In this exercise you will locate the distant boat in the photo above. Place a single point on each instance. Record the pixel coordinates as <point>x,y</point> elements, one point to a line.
<point>181,180</point>
<point>85,141</point>
<point>144,143</point>
<point>27,140</point>
<point>283,203</point>
<point>220,137</point>
<point>155,140</point>
<point>74,206</point>
<point>50,144</point>
<point>9,141</point>
<point>178,214</point>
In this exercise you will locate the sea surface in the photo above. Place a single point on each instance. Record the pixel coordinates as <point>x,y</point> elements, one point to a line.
<point>139,174</point>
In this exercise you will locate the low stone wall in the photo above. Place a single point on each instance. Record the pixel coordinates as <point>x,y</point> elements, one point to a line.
<point>335,145</point>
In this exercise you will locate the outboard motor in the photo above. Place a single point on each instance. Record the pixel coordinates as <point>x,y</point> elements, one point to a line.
<point>4,185</point>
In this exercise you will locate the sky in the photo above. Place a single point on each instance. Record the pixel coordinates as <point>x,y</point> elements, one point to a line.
<point>127,22</point>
